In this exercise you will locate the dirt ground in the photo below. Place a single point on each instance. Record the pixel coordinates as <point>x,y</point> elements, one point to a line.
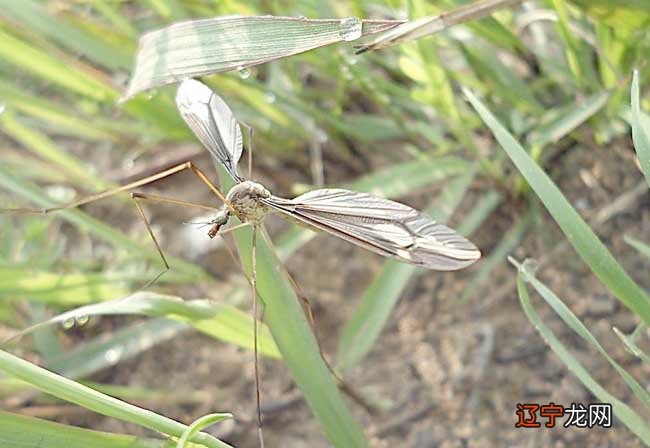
<point>445,373</point>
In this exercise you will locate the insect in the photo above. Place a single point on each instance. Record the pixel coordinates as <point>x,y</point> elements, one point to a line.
<point>386,227</point>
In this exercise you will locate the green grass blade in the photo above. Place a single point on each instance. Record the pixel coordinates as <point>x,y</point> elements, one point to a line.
<point>579,328</point>
<point>221,321</point>
<point>35,17</point>
<point>626,414</point>
<point>108,350</point>
<point>17,431</point>
<point>88,398</point>
<point>640,134</point>
<point>228,43</point>
<point>36,61</point>
<point>638,245</point>
<point>199,425</point>
<point>577,231</point>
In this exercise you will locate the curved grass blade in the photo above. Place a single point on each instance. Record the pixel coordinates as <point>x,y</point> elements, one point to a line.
<point>18,431</point>
<point>640,134</point>
<point>201,47</point>
<point>199,425</point>
<point>577,231</point>
<point>638,245</point>
<point>76,393</point>
<point>626,414</point>
<point>221,321</point>
<point>579,328</point>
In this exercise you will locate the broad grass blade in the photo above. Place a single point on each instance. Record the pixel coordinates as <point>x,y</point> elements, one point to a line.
<point>221,321</point>
<point>202,47</point>
<point>577,231</point>
<point>77,393</point>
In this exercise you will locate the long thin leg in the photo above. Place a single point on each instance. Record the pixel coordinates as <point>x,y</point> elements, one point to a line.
<point>138,183</point>
<point>258,400</point>
<point>162,199</point>
<point>155,241</point>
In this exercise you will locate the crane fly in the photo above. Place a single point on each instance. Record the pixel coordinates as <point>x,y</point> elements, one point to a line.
<point>386,227</point>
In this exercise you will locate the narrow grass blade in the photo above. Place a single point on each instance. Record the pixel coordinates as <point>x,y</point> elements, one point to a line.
<point>36,17</point>
<point>579,328</point>
<point>199,425</point>
<point>380,298</point>
<point>577,231</point>
<point>88,398</point>
<point>17,431</point>
<point>43,146</point>
<point>36,61</point>
<point>202,47</point>
<point>630,342</point>
<point>640,134</point>
<point>109,350</point>
<point>567,120</point>
<point>222,321</point>
<point>425,26</point>
<point>642,247</point>
<point>626,414</point>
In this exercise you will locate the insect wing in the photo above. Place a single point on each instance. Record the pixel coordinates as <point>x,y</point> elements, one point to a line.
<point>212,122</point>
<point>386,227</point>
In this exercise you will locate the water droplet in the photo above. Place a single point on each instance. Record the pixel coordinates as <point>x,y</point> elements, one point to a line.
<point>320,136</point>
<point>82,320</point>
<point>113,355</point>
<point>150,94</point>
<point>61,193</point>
<point>350,28</point>
<point>269,97</point>
<point>2,108</point>
<point>529,267</point>
<point>68,323</point>
<point>347,74</point>
<point>244,73</point>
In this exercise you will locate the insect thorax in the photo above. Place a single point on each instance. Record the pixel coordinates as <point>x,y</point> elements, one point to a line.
<point>246,200</point>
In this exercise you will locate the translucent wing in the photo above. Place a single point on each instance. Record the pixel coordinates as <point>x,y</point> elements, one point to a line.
<point>386,227</point>
<point>212,122</point>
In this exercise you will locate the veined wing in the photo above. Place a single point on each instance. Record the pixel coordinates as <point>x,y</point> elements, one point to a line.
<point>212,122</point>
<point>386,227</point>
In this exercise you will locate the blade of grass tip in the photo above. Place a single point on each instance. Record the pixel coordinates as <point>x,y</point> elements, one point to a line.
<point>76,393</point>
<point>28,14</point>
<point>425,26</point>
<point>640,135</point>
<point>202,47</point>
<point>293,336</point>
<point>83,221</point>
<point>638,245</point>
<point>200,424</point>
<point>578,233</point>
<point>19,431</point>
<point>630,342</point>
<point>216,320</point>
<point>381,296</point>
<point>578,327</point>
<point>626,414</point>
